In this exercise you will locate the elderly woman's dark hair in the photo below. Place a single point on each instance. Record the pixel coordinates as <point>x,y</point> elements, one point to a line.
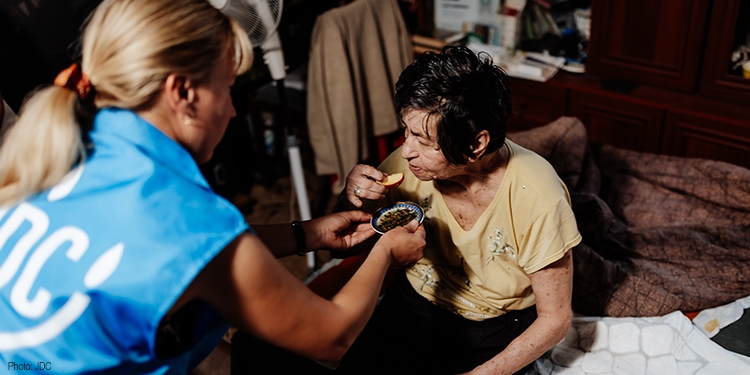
<point>465,90</point>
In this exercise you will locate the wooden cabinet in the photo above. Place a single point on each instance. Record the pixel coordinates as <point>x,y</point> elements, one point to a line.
<point>687,97</point>
<point>653,42</point>
<point>615,119</point>
<point>711,129</point>
<point>707,138</point>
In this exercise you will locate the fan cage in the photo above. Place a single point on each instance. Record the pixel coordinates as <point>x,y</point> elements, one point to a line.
<point>259,18</point>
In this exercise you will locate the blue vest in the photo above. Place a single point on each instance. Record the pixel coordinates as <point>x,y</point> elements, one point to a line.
<point>89,268</point>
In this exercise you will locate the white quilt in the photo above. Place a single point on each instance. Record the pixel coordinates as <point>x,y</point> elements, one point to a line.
<point>664,345</point>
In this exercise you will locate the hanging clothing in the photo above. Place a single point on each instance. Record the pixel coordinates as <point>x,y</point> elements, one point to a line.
<point>357,54</point>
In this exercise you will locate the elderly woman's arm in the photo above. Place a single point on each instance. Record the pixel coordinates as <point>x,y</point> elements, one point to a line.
<point>553,288</point>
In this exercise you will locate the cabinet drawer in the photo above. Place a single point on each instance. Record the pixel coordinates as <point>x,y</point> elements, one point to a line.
<point>709,138</point>
<point>613,120</point>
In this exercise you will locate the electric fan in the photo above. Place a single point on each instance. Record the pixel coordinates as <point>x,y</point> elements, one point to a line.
<point>260,18</point>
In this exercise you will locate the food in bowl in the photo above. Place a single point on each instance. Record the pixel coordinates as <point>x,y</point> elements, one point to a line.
<point>396,215</point>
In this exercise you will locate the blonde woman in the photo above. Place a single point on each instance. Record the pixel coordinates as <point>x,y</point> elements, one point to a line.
<point>115,255</point>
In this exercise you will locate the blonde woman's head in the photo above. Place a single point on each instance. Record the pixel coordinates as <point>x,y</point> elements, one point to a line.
<point>129,48</point>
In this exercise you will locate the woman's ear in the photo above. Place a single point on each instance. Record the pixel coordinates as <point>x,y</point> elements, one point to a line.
<point>181,97</point>
<point>480,145</point>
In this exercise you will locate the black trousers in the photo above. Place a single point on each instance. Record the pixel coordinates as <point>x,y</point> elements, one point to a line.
<point>406,335</point>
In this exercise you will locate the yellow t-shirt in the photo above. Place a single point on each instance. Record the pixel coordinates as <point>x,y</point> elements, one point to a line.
<point>483,272</point>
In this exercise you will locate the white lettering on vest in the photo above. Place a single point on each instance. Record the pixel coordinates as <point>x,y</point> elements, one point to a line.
<point>33,308</point>
<point>39,224</point>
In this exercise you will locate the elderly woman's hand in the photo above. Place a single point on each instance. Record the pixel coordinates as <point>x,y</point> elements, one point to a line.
<point>362,183</point>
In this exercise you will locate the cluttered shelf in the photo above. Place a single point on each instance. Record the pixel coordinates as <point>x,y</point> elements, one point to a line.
<point>631,91</point>
<point>530,39</point>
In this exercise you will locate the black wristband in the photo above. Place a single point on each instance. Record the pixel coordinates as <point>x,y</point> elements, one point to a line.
<point>299,236</point>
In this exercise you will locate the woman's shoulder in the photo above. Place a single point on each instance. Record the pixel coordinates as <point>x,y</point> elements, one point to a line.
<point>524,154</point>
<point>530,164</point>
<point>531,173</point>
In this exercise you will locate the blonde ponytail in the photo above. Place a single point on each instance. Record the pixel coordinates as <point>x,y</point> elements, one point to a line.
<point>43,144</point>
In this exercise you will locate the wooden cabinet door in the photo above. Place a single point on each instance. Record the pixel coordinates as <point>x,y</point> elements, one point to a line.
<point>709,137</point>
<point>649,42</point>
<point>612,119</point>
<point>729,28</point>
<point>535,103</point>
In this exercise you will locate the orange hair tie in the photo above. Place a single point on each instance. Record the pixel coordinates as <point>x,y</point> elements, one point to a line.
<point>74,79</point>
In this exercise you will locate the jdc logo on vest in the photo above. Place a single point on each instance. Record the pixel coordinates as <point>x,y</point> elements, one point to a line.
<point>30,225</point>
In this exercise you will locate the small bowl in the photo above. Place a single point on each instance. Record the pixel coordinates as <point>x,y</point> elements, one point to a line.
<point>396,215</point>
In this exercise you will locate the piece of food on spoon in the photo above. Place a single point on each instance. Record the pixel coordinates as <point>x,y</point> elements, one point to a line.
<point>393,180</point>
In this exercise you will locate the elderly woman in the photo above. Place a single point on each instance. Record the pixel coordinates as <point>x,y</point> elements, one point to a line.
<point>115,254</point>
<point>493,291</point>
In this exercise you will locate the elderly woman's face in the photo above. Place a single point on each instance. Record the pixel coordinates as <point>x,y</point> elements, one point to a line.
<point>421,150</point>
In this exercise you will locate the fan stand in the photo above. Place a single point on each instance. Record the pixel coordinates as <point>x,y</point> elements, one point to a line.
<point>249,13</point>
<point>273,56</point>
<point>295,163</point>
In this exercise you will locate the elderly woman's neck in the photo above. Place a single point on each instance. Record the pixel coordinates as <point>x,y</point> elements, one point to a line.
<point>489,164</point>
<point>487,170</point>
